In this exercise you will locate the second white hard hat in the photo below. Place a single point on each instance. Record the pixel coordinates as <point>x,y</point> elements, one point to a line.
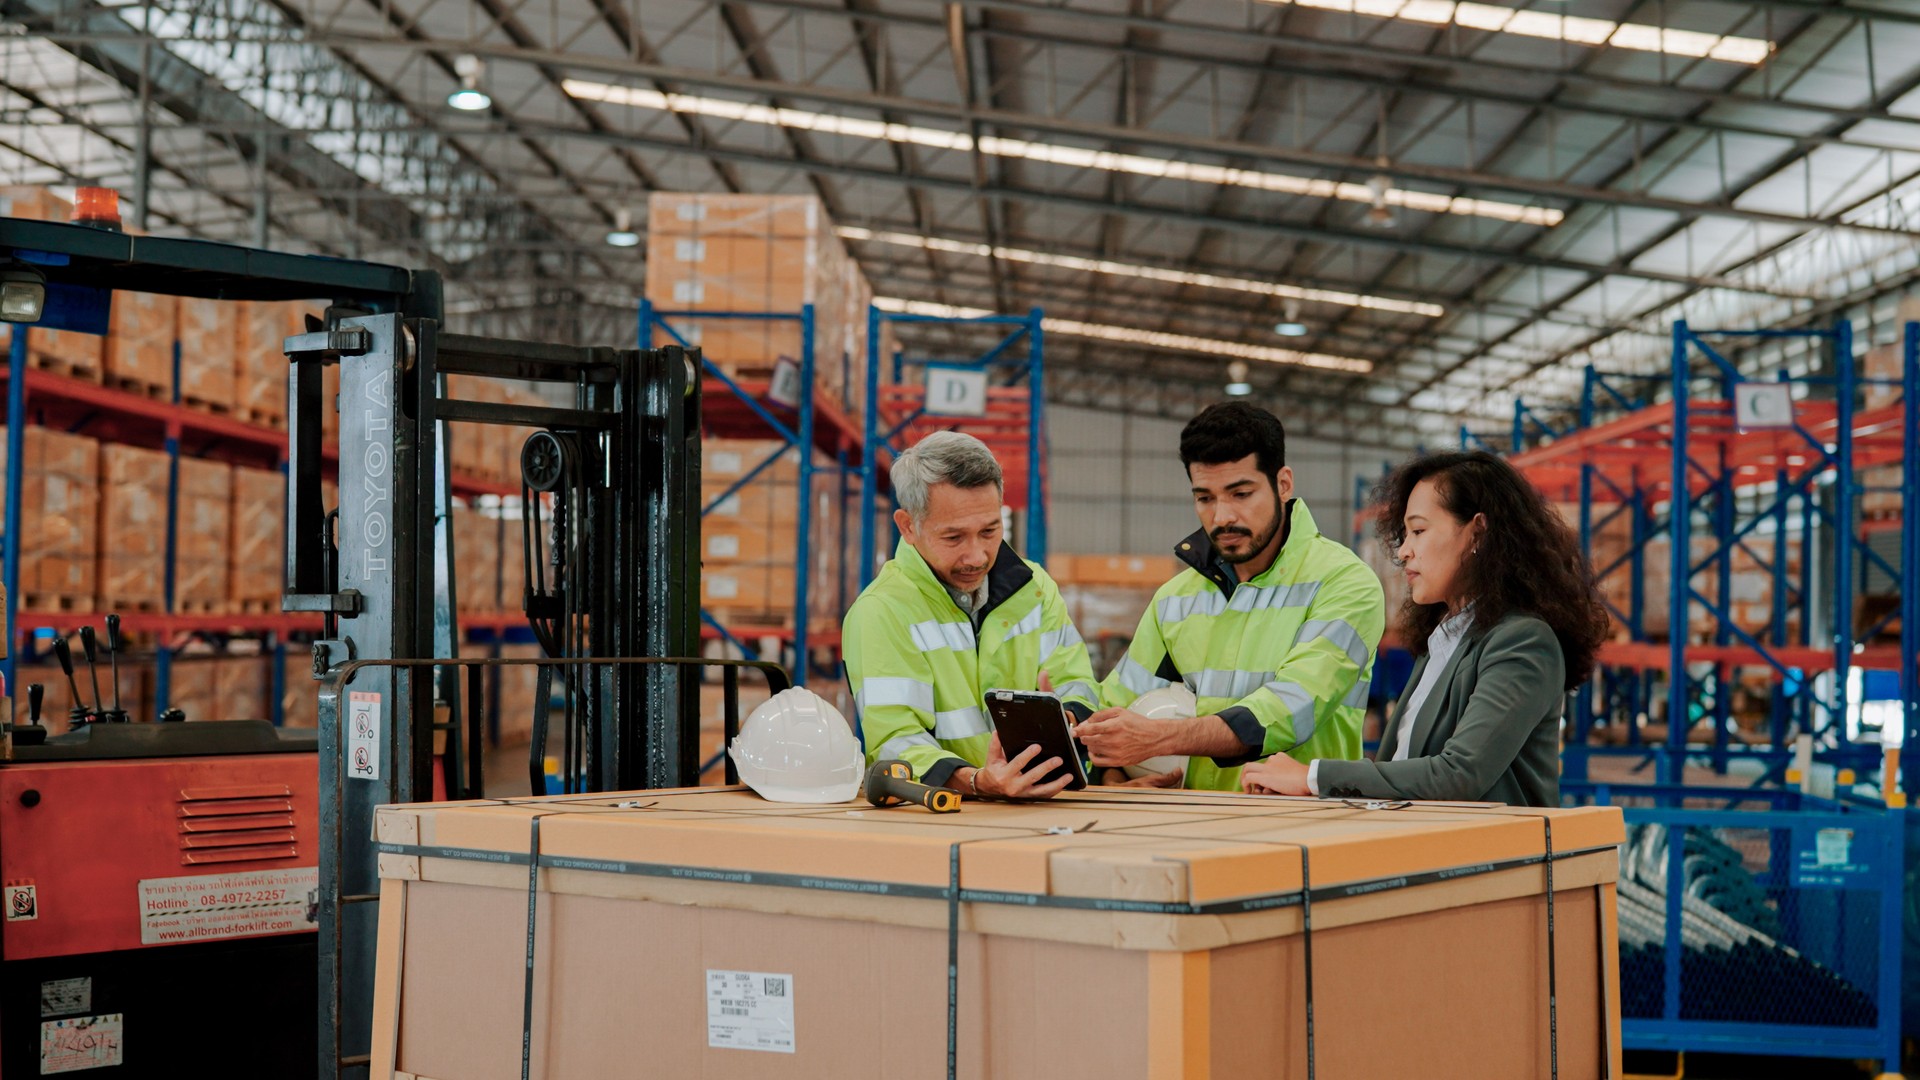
<point>1174,702</point>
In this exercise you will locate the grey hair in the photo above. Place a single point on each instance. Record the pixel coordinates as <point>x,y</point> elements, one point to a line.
<point>945,457</point>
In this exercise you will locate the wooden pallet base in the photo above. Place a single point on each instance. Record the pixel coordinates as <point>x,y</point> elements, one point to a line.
<point>255,606</point>
<point>54,602</point>
<point>217,408</point>
<point>61,365</point>
<point>108,603</point>
<point>202,607</point>
<point>153,390</point>
<point>261,418</point>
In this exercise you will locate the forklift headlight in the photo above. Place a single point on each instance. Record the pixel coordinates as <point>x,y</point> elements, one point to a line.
<point>23,295</point>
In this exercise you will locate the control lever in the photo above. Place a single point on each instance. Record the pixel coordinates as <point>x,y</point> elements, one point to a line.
<point>116,715</point>
<point>31,733</point>
<point>173,715</point>
<point>63,652</point>
<point>89,645</point>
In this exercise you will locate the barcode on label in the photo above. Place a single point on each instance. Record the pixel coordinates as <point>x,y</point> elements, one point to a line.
<point>732,1012</point>
<point>776,987</point>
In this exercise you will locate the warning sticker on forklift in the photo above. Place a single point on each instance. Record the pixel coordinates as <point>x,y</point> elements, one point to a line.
<point>63,997</point>
<point>209,906</point>
<point>84,1042</point>
<point>750,1010</point>
<point>363,735</point>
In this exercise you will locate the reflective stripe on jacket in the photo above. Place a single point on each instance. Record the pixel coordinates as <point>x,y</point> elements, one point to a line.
<point>1284,658</point>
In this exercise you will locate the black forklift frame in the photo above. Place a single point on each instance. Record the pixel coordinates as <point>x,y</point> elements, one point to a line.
<point>640,408</point>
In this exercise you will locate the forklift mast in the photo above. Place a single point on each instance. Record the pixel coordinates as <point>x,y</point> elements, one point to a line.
<point>619,466</point>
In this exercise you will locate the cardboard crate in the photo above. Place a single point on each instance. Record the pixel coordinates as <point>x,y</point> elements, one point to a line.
<point>133,528</point>
<point>843,973</point>
<point>514,695</point>
<point>243,687</point>
<point>76,355</point>
<point>1133,570</point>
<point>203,536</point>
<point>513,565</point>
<point>257,548</point>
<point>759,253</point>
<point>260,359</point>
<point>476,546</point>
<point>140,339</point>
<point>194,686</point>
<point>299,691</point>
<point>59,503</point>
<point>209,352</point>
<point>33,203</point>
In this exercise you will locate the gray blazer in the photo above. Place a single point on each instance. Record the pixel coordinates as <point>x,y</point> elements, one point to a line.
<point>1489,731</point>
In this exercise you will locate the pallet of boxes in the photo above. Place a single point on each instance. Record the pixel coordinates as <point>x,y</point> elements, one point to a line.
<point>1108,933</point>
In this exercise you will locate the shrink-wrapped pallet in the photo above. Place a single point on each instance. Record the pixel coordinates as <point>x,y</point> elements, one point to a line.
<point>209,352</point>
<point>257,570</point>
<point>60,494</point>
<point>133,528</point>
<point>202,536</point>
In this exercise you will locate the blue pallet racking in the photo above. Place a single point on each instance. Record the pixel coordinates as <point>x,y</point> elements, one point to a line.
<point>739,409</point>
<point>1626,456</point>
<point>893,411</point>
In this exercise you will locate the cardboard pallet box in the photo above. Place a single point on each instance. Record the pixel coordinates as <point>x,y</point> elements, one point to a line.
<point>60,496</point>
<point>133,528</point>
<point>257,571</point>
<point>209,351</point>
<point>202,537</point>
<point>140,340</point>
<point>1148,935</point>
<point>260,360</point>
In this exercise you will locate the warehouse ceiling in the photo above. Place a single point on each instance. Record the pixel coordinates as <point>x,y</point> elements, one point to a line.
<point>1458,202</point>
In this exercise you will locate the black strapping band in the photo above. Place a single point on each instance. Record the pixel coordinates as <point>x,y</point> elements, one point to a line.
<point>533,911</point>
<point>1553,994</point>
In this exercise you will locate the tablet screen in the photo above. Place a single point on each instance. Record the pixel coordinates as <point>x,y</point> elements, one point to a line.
<point>1025,718</point>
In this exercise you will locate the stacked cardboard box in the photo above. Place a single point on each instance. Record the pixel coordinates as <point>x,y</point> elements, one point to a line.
<point>202,536</point>
<point>140,340</point>
<point>476,546</point>
<point>33,204</point>
<point>514,696</point>
<point>749,542</point>
<point>60,495</point>
<point>242,685</point>
<point>133,528</point>
<point>209,336</point>
<point>258,529</point>
<point>299,691</point>
<point>260,367</point>
<point>759,253</point>
<point>193,686</point>
<point>1178,923</point>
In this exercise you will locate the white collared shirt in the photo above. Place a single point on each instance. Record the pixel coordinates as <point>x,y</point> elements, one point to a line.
<point>1441,645</point>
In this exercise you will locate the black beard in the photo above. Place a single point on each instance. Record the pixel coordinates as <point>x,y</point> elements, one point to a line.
<point>1259,544</point>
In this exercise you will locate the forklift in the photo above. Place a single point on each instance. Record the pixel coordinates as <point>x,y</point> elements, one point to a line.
<point>611,487</point>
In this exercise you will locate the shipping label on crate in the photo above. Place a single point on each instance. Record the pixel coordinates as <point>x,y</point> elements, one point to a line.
<point>84,1042</point>
<point>1829,859</point>
<point>204,907</point>
<point>363,735</point>
<point>750,1010</point>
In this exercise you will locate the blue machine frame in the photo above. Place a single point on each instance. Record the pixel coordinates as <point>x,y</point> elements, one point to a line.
<point>1027,328</point>
<point>1875,855</point>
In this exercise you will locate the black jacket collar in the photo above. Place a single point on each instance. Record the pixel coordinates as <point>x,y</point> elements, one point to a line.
<point>1009,575</point>
<point>1197,551</point>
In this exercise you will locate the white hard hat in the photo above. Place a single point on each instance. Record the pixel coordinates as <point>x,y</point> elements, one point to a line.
<point>1174,702</point>
<point>796,747</point>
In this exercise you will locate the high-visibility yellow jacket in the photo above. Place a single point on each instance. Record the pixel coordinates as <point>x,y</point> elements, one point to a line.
<point>1284,658</point>
<point>919,669</point>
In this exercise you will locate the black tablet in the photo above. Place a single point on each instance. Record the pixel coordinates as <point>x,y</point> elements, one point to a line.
<point>1027,717</point>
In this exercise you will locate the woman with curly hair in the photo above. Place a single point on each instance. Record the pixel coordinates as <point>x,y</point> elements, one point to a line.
<point>1504,618</point>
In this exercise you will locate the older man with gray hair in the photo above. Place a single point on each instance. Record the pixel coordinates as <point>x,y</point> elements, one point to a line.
<point>955,613</point>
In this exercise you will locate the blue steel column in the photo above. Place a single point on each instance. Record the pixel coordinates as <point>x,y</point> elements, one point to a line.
<point>1672,764</point>
<point>1909,551</point>
<point>163,656</point>
<point>1036,441</point>
<point>16,451</point>
<point>803,563</point>
<point>1574,764</point>
<point>1844,537</point>
<point>870,447</point>
<point>1722,635</point>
